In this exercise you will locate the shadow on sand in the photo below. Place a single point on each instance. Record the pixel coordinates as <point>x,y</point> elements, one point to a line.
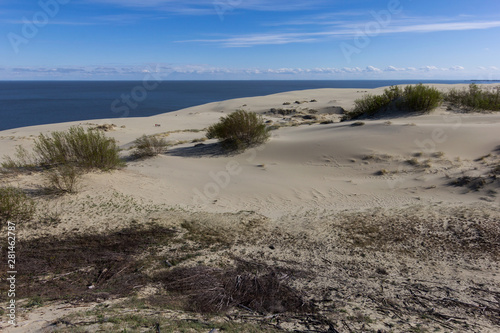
<point>201,150</point>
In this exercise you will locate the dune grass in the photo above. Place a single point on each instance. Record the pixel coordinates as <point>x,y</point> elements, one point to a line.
<point>475,98</point>
<point>418,98</point>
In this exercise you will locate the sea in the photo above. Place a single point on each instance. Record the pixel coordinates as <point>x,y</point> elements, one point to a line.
<point>28,103</point>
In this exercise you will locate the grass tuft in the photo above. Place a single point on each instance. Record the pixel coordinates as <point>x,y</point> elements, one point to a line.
<point>15,205</point>
<point>63,178</point>
<point>149,146</point>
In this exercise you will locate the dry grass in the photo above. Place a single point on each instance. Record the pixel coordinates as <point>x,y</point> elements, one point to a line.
<point>463,232</point>
<point>256,288</point>
<point>85,267</point>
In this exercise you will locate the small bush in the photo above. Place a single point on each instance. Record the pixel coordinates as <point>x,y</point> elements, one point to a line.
<point>86,149</point>
<point>475,98</point>
<point>420,98</point>
<point>63,178</point>
<point>15,205</point>
<point>239,130</point>
<point>147,146</point>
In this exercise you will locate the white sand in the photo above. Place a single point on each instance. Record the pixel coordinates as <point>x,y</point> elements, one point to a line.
<point>306,170</point>
<point>301,168</point>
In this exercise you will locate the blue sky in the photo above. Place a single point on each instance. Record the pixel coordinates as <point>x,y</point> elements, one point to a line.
<point>250,39</point>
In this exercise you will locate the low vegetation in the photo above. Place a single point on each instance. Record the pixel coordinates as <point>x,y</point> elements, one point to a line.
<point>63,178</point>
<point>418,98</point>
<point>15,205</point>
<point>475,98</point>
<point>149,146</point>
<point>250,286</point>
<point>23,160</point>
<point>65,156</point>
<point>239,130</point>
<point>86,149</point>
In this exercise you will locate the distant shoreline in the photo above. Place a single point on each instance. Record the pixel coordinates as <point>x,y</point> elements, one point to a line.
<point>31,103</point>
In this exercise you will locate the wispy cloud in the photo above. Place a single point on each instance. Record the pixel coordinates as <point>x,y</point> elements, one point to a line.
<point>208,7</point>
<point>344,30</point>
<point>260,39</point>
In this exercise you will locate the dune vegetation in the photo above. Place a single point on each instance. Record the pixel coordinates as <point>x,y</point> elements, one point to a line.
<point>412,99</point>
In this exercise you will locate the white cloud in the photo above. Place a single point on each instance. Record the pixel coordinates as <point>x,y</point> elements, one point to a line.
<point>372,69</point>
<point>165,70</point>
<point>429,68</point>
<point>393,69</point>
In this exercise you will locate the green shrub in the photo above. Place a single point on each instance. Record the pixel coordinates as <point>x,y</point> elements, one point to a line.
<point>417,98</point>
<point>369,105</point>
<point>475,98</point>
<point>393,93</point>
<point>15,205</point>
<point>420,98</point>
<point>63,178</point>
<point>239,130</point>
<point>146,146</point>
<point>85,149</point>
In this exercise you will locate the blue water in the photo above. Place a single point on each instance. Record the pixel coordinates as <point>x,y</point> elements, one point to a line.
<point>27,103</point>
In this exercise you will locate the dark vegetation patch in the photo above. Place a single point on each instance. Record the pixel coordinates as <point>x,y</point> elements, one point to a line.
<point>472,183</point>
<point>282,112</point>
<point>249,286</point>
<point>86,267</point>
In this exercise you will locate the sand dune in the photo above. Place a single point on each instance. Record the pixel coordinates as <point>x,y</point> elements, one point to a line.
<point>304,174</point>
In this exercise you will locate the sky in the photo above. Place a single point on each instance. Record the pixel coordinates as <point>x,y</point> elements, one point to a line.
<point>249,39</point>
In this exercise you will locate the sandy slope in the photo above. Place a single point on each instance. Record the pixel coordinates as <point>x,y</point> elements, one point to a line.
<point>316,166</point>
<point>302,176</point>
